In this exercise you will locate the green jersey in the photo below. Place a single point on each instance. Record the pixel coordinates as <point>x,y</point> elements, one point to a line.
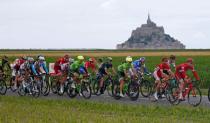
<point>124,66</point>
<point>76,65</point>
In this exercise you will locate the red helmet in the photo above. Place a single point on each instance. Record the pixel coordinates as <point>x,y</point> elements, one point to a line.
<point>190,60</point>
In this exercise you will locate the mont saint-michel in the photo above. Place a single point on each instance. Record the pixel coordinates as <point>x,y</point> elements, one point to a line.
<point>150,36</point>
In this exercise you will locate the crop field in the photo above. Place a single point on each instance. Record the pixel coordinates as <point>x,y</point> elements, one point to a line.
<point>54,53</point>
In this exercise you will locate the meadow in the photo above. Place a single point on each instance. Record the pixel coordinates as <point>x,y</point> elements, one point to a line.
<point>30,110</point>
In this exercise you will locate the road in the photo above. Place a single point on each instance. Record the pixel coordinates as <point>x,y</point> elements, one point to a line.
<point>106,98</point>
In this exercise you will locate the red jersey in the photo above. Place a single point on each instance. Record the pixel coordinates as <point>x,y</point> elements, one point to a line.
<point>89,65</point>
<point>58,63</point>
<point>182,69</point>
<point>161,67</point>
<point>18,63</point>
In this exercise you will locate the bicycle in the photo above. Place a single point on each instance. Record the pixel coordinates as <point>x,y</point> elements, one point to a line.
<point>83,88</point>
<point>44,84</point>
<point>29,86</point>
<point>130,88</point>
<point>107,86</point>
<point>192,92</point>
<point>145,85</point>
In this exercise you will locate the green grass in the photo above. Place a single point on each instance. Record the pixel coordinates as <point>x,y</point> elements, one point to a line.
<point>28,110</point>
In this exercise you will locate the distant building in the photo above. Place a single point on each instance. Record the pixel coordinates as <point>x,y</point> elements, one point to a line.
<point>150,36</point>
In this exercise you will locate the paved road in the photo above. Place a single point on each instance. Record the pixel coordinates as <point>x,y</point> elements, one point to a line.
<point>106,98</point>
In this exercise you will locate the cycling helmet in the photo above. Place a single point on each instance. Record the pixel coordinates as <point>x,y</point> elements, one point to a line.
<point>142,59</point>
<point>128,59</point>
<point>41,58</point>
<point>71,60</point>
<point>24,57</point>
<point>80,57</point>
<point>90,59</point>
<point>30,59</point>
<point>190,60</point>
<point>109,58</point>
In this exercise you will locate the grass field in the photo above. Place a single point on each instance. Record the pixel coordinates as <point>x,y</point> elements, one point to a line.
<point>28,110</point>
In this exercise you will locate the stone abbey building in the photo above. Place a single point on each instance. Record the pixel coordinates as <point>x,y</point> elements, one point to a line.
<point>150,36</point>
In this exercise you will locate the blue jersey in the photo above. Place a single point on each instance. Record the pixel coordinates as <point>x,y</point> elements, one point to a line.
<point>41,65</point>
<point>32,68</point>
<point>138,65</point>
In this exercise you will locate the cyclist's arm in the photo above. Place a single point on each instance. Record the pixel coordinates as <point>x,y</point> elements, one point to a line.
<point>45,68</point>
<point>33,69</point>
<point>145,69</point>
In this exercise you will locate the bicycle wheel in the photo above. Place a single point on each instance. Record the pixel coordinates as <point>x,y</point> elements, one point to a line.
<point>54,85</point>
<point>109,87</point>
<point>133,91</point>
<point>21,90</point>
<point>172,95</point>
<point>12,84</point>
<point>145,88</point>
<point>3,87</point>
<point>86,90</point>
<point>36,89</point>
<point>116,91</point>
<point>71,91</point>
<point>96,88</point>
<point>194,96</point>
<point>45,87</point>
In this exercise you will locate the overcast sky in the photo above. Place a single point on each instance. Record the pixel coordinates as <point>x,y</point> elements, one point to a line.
<point>99,23</point>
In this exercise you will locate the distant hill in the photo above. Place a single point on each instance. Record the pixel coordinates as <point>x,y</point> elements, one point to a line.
<point>150,36</point>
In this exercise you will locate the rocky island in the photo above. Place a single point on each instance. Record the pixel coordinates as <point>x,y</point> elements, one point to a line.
<point>150,36</point>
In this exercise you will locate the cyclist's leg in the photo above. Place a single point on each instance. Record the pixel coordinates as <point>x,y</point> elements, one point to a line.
<point>157,84</point>
<point>122,81</point>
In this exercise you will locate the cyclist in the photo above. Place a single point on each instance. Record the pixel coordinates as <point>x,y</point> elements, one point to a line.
<point>181,74</point>
<point>16,69</point>
<point>61,68</point>
<point>90,65</point>
<point>31,66</point>
<point>61,65</point>
<point>139,65</point>
<point>40,65</point>
<point>172,61</point>
<point>124,70</point>
<point>77,68</point>
<point>160,75</point>
<point>104,70</point>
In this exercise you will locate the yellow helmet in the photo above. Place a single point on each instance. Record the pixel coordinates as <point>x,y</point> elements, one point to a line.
<point>80,57</point>
<point>128,59</point>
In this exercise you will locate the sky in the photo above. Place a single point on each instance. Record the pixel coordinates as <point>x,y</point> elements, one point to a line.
<point>99,23</point>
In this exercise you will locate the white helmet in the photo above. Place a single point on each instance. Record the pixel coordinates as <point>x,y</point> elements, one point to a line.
<point>41,58</point>
<point>30,59</point>
<point>71,60</point>
<point>128,59</point>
